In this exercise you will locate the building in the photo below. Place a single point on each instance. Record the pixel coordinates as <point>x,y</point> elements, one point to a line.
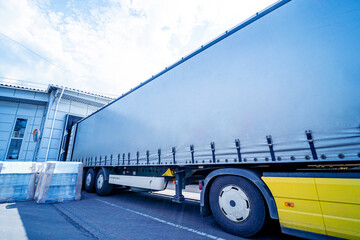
<point>35,123</point>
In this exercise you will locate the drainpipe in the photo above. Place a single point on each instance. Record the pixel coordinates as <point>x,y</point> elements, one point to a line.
<point>52,126</point>
<point>42,125</point>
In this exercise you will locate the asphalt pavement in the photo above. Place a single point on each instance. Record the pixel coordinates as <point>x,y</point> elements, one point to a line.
<point>123,215</point>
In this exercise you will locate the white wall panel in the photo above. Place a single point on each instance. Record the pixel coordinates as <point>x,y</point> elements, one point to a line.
<point>3,144</point>
<point>24,94</point>
<point>78,108</point>
<point>27,109</point>
<point>8,107</point>
<point>91,109</point>
<point>6,118</point>
<point>64,105</point>
<point>6,127</point>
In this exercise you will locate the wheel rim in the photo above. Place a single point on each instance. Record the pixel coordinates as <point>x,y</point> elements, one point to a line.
<point>100,181</point>
<point>88,179</point>
<point>234,203</point>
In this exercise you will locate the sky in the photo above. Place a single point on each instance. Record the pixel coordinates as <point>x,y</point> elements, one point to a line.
<point>109,46</point>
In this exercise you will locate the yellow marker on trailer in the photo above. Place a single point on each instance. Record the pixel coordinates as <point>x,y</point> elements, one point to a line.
<point>168,173</point>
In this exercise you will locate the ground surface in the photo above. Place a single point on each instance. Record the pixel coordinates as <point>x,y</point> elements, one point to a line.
<point>123,215</point>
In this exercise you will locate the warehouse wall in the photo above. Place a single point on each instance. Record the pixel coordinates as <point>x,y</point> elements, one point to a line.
<point>66,106</point>
<point>9,112</point>
<point>38,108</point>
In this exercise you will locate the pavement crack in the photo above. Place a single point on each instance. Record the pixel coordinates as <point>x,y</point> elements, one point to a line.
<point>65,214</point>
<point>82,224</point>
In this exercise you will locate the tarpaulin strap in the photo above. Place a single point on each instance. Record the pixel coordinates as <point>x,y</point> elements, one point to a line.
<point>192,153</point>
<point>212,146</point>
<point>173,153</point>
<point>271,147</point>
<point>159,155</point>
<point>311,144</point>
<point>237,144</point>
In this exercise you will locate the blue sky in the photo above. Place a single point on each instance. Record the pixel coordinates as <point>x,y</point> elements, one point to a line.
<point>108,46</point>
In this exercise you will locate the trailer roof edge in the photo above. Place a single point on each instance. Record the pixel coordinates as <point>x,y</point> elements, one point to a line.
<point>231,31</point>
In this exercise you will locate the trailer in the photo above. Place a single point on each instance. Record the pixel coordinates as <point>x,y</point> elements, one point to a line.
<point>266,118</point>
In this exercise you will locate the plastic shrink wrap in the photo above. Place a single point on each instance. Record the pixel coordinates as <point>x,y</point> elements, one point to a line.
<point>17,181</point>
<point>59,181</point>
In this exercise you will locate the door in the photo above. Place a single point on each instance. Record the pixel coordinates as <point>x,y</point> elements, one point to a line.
<point>67,138</point>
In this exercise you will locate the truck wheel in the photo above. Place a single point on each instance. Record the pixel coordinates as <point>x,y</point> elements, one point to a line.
<point>83,178</point>
<point>103,187</point>
<point>237,205</point>
<point>89,182</point>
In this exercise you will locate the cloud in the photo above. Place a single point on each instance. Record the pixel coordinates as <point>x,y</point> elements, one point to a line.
<point>109,46</point>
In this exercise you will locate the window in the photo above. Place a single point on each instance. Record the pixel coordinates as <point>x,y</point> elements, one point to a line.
<point>16,139</point>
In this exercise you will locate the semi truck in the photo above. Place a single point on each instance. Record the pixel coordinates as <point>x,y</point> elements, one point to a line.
<point>265,118</point>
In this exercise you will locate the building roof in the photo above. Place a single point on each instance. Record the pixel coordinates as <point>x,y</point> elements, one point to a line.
<point>51,87</point>
<point>22,87</point>
<point>44,88</point>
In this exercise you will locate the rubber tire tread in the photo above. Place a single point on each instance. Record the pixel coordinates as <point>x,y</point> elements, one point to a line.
<point>106,188</point>
<point>91,187</point>
<point>83,178</point>
<point>258,214</point>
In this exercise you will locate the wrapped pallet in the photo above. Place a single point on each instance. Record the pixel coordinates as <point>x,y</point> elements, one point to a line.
<point>17,181</point>
<point>58,182</point>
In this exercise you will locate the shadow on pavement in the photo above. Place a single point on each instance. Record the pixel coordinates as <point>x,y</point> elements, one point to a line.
<point>28,220</point>
<point>113,217</point>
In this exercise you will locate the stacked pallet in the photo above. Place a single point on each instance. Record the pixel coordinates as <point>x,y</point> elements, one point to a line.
<point>17,181</point>
<point>45,182</point>
<point>59,181</point>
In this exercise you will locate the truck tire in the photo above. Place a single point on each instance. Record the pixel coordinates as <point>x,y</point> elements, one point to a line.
<point>237,205</point>
<point>83,178</point>
<point>103,187</point>
<point>89,182</point>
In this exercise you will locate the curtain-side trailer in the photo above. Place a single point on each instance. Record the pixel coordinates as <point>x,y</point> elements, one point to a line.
<point>266,118</point>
